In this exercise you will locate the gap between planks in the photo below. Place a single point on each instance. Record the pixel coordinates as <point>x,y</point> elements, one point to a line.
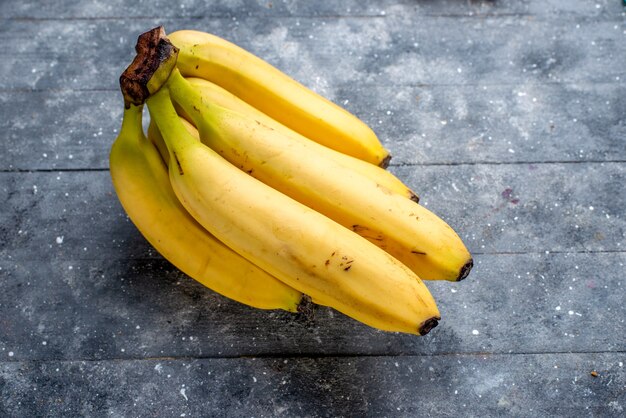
<point>363,85</point>
<point>398,165</point>
<point>383,15</point>
<point>314,356</point>
<point>530,162</point>
<point>228,16</point>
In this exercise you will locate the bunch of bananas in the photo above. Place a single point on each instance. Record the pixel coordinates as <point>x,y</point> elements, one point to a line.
<point>264,191</point>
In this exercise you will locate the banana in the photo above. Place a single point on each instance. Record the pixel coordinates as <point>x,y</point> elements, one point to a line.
<point>141,181</point>
<point>294,243</point>
<point>297,168</point>
<point>276,94</point>
<point>157,139</point>
<point>213,93</point>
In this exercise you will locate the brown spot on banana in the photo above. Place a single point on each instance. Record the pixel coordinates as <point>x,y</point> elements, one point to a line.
<point>363,231</point>
<point>385,189</point>
<point>180,168</point>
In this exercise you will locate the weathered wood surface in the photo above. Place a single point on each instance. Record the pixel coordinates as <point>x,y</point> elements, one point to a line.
<point>508,117</point>
<point>496,208</point>
<point>420,125</point>
<point>390,50</point>
<point>144,308</point>
<point>77,9</point>
<point>555,385</point>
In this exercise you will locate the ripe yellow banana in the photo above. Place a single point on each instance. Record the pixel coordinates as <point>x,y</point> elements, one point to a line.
<point>297,168</point>
<point>142,184</point>
<point>213,93</point>
<point>296,244</point>
<point>276,94</point>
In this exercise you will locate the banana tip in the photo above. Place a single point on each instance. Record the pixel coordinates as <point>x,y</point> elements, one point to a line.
<point>385,161</point>
<point>465,270</point>
<point>306,307</point>
<point>429,324</point>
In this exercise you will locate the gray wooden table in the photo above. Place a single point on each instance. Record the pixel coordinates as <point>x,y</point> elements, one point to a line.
<point>508,117</point>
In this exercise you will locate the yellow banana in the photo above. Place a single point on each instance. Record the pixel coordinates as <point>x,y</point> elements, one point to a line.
<point>296,244</point>
<point>297,168</point>
<point>276,94</point>
<point>157,139</point>
<point>141,181</point>
<point>213,93</point>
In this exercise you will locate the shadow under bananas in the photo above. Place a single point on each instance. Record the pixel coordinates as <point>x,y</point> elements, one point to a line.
<point>316,363</point>
<point>181,317</point>
<point>178,316</point>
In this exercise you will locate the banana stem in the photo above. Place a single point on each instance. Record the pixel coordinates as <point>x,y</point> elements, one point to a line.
<point>156,58</point>
<point>164,114</point>
<point>191,100</point>
<point>131,121</point>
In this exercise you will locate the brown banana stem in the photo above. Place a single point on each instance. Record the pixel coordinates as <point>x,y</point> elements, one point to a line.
<point>465,270</point>
<point>151,67</point>
<point>427,325</point>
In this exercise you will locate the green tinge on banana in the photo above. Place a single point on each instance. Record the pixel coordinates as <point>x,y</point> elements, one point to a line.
<point>212,93</point>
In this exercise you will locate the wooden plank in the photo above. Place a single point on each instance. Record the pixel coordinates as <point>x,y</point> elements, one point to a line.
<point>527,207</point>
<point>495,208</point>
<point>481,385</point>
<point>326,53</point>
<point>516,123</point>
<point>68,129</point>
<point>143,308</point>
<point>81,278</point>
<point>58,129</point>
<point>75,9</point>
